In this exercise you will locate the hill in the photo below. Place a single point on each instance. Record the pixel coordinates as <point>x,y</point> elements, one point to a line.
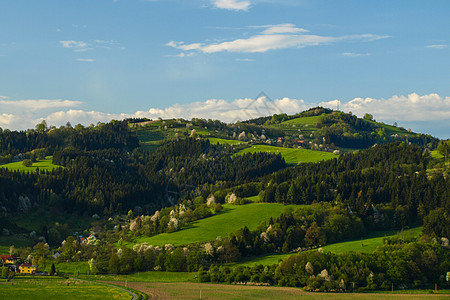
<point>139,195</point>
<point>232,218</point>
<point>290,155</point>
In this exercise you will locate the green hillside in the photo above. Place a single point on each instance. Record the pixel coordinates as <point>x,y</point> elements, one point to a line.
<point>43,164</point>
<point>291,155</point>
<point>367,245</point>
<point>231,219</point>
<point>224,141</point>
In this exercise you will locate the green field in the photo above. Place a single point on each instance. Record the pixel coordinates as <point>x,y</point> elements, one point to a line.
<point>43,164</point>
<point>367,245</point>
<point>149,137</point>
<point>370,244</point>
<point>81,267</point>
<point>159,290</point>
<point>310,121</point>
<point>214,141</point>
<point>231,219</point>
<point>392,129</point>
<point>59,289</point>
<point>435,154</point>
<point>291,155</point>
<point>150,276</point>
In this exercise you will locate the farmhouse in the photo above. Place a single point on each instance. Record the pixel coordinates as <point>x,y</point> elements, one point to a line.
<point>8,259</point>
<point>27,268</point>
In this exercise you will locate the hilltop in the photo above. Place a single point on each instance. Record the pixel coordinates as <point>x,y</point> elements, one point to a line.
<point>316,129</point>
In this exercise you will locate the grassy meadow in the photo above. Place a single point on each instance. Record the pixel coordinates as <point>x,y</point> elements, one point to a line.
<point>150,276</point>
<point>310,121</point>
<point>367,245</point>
<point>160,290</point>
<point>214,141</point>
<point>81,267</point>
<point>58,289</point>
<point>291,155</point>
<point>232,218</point>
<point>43,164</point>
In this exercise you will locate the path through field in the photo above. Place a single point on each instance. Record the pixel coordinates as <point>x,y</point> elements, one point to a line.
<point>185,290</point>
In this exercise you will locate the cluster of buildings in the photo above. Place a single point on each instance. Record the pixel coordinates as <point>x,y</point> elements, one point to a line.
<point>12,263</point>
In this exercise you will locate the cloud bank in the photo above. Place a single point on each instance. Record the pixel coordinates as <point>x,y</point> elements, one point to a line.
<point>273,37</point>
<point>411,110</point>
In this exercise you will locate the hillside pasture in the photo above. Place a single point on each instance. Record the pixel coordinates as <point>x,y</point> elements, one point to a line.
<point>214,141</point>
<point>58,289</point>
<point>72,268</point>
<point>231,219</point>
<point>43,164</point>
<point>150,276</point>
<point>291,155</point>
<point>367,245</point>
<point>310,121</point>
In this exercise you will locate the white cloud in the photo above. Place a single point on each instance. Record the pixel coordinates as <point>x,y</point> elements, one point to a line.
<point>182,54</point>
<point>283,28</point>
<point>352,54</point>
<point>412,107</point>
<point>6,119</point>
<point>81,46</point>
<point>232,4</point>
<point>86,59</point>
<point>74,44</point>
<point>34,105</point>
<point>440,46</point>
<point>272,38</point>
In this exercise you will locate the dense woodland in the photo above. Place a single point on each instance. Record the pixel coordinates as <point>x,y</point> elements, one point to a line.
<point>105,172</point>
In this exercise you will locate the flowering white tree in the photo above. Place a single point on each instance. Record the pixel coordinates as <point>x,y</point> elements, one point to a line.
<point>309,268</point>
<point>231,198</point>
<point>156,216</point>
<point>209,249</point>
<point>211,201</point>
<point>173,224</point>
<point>242,136</point>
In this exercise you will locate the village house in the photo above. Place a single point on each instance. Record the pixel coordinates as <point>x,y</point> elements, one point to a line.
<point>27,268</point>
<point>8,259</point>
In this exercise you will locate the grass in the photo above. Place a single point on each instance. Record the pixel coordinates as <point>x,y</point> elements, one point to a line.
<point>367,245</point>
<point>265,260</point>
<point>291,155</point>
<point>59,289</point>
<point>310,121</point>
<point>214,141</point>
<point>392,129</point>
<point>436,155</point>
<point>69,267</point>
<point>222,291</point>
<point>43,164</point>
<point>149,137</point>
<point>150,276</point>
<point>228,221</point>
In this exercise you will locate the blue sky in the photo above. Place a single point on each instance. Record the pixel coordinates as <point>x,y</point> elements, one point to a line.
<point>86,61</point>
